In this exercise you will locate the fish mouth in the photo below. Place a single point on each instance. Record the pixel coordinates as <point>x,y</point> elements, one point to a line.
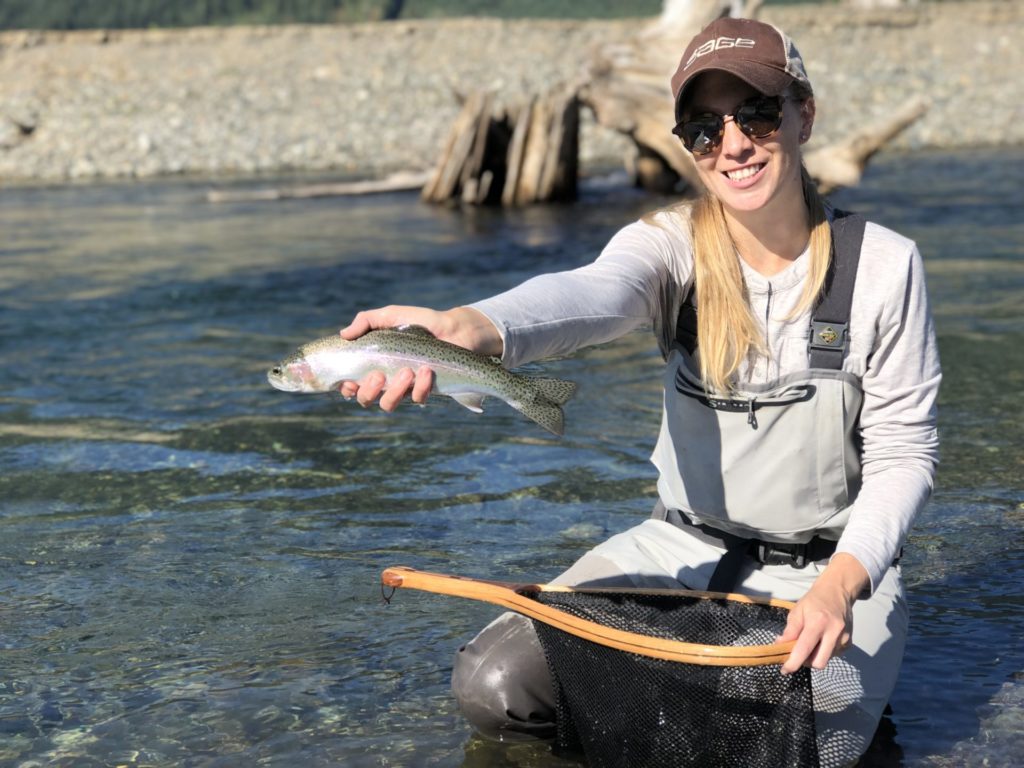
<point>279,381</point>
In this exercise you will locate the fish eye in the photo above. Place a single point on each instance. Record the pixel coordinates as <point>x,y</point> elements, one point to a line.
<point>276,370</point>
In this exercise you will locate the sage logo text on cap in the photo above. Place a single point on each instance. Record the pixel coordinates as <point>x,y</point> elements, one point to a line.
<point>717,44</point>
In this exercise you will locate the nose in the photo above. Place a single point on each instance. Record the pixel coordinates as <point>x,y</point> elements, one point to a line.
<point>734,141</point>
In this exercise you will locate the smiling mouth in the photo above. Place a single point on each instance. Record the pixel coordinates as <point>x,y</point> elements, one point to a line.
<point>739,174</point>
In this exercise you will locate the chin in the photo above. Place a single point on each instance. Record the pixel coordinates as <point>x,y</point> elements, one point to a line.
<point>746,201</point>
<point>749,199</point>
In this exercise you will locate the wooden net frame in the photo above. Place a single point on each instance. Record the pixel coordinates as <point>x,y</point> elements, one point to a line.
<point>516,597</point>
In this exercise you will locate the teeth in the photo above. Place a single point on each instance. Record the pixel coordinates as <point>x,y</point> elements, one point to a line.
<point>744,173</point>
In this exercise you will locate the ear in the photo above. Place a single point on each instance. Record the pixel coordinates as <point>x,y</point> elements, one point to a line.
<point>806,119</point>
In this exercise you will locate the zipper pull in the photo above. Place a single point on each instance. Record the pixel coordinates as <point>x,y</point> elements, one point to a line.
<point>751,416</point>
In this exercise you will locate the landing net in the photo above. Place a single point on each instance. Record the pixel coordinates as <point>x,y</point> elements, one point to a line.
<point>626,710</point>
<point>660,678</point>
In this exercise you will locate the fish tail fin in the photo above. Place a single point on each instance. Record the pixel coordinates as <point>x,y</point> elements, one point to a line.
<point>546,413</point>
<point>555,391</point>
<point>546,406</point>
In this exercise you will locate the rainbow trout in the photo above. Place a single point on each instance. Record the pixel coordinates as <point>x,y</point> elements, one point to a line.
<point>464,376</point>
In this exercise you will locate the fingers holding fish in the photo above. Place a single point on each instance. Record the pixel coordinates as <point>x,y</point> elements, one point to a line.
<point>375,386</point>
<point>423,385</point>
<point>370,388</point>
<point>462,326</point>
<point>393,316</point>
<point>403,384</point>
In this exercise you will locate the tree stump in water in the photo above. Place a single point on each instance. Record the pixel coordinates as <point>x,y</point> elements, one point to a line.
<point>522,155</point>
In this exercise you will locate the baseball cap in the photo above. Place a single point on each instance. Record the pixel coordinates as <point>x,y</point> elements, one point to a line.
<point>760,54</point>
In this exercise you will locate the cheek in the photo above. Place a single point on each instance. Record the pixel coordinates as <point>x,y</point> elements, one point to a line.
<point>795,125</point>
<point>706,166</point>
<point>301,373</point>
<point>791,148</point>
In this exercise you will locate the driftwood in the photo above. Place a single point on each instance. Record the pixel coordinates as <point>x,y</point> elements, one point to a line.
<point>447,176</point>
<point>522,155</point>
<point>398,182</point>
<point>842,164</point>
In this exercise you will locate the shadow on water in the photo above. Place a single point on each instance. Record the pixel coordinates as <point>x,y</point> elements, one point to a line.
<point>189,559</point>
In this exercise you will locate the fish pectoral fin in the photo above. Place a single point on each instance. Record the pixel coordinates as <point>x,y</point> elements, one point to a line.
<point>470,400</point>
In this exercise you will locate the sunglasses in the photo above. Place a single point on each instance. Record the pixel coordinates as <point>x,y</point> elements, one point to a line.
<point>758,118</point>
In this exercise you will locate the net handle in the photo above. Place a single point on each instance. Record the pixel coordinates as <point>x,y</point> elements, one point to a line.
<point>509,596</point>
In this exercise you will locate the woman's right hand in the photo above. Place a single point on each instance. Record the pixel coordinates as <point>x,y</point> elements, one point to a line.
<point>462,326</point>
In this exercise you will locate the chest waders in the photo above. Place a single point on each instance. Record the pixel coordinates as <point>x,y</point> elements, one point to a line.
<point>768,471</point>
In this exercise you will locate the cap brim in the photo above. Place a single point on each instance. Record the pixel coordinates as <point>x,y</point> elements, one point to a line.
<point>771,81</point>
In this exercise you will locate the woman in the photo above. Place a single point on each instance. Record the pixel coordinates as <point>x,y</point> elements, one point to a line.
<point>782,471</point>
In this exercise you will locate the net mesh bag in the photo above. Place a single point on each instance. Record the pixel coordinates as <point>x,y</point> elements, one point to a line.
<point>624,710</point>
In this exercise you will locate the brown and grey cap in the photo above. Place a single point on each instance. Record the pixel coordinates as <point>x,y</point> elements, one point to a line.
<point>757,53</point>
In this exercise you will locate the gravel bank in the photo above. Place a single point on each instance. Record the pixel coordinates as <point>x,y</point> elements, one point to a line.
<point>373,98</point>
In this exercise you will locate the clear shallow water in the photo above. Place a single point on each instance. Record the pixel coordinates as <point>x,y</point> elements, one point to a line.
<point>189,559</point>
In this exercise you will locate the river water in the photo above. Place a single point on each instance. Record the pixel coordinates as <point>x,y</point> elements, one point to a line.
<point>189,559</point>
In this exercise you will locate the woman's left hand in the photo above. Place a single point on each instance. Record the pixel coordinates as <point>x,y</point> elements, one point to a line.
<point>821,623</point>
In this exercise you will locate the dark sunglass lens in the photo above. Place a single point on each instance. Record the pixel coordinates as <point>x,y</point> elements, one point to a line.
<point>701,134</point>
<point>759,117</point>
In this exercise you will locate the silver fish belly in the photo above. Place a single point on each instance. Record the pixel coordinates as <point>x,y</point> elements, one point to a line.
<point>464,376</point>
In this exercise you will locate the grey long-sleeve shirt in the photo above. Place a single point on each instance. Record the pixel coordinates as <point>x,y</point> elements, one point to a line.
<point>641,278</point>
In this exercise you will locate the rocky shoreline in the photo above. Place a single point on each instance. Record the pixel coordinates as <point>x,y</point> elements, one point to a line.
<point>365,100</point>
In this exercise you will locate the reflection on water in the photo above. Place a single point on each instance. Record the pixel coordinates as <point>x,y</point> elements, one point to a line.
<point>189,559</point>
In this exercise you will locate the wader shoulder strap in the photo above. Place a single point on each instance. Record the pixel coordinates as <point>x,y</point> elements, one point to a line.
<point>830,320</point>
<point>831,317</point>
<point>686,323</point>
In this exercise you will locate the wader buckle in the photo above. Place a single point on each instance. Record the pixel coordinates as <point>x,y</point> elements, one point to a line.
<point>770,553</point>
<point>831,337</point>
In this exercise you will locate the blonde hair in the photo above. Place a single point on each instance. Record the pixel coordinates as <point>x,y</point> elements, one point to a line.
<point>727,331</point>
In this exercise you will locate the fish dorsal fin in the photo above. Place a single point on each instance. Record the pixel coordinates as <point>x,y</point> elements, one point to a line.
<point>415,330</point>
